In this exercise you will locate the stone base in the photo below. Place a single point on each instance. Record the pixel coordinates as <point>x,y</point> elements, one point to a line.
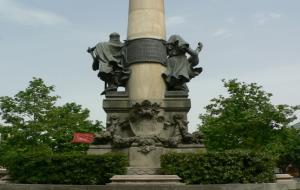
<point>145,163</point>
<point>146,179</point>
<point>142,171</point>
<point>149,127</point>
<point>3,172</point>
<point>257,186</point>
<point>284,178</point>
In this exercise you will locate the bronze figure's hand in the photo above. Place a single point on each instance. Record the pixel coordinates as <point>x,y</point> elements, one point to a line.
<point>90,50</point>
<point>200,46</point>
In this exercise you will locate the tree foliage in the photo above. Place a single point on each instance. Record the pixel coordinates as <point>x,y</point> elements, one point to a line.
<point>246,119</point>
<point>233,166</point>
<point>289,149</point>
<point>33,120</point>
<point>30,105</point>
<point>42,167</point>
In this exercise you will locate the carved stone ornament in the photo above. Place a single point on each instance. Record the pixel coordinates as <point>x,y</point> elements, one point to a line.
<point>145,119</point>
<point>108,136</point>
<point>142,171</point>
<point>146,145</point>
<point>146,124</point>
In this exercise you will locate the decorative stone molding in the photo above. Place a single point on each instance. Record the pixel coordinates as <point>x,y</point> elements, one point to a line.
<point>145,119</point>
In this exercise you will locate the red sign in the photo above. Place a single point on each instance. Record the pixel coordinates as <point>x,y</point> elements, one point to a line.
<point>85,138</point>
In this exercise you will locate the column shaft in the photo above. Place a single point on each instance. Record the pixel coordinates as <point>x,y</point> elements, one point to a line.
<point>146,19</point>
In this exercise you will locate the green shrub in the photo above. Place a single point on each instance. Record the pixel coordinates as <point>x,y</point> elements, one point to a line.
<point>69,168</point>
<point>220,167</point>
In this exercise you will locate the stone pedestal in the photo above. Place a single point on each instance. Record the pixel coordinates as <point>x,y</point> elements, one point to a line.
<point>145,163</point>
<point>147,130</point>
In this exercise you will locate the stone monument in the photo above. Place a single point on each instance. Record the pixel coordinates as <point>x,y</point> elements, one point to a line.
<point>149,118</point>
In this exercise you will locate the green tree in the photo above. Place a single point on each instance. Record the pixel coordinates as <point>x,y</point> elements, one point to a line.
<point>30,105</point>
<point>289,149</point>
<point>33,121</point>
<point>246,119</point>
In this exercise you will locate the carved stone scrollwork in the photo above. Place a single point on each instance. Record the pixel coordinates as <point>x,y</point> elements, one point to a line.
<point>145,119</point>
<point>119,141</point>
<point>182,125</point>
<point>145,110</point>
<point>109,136</point>
<point>146,145</point>
<point>146,127</point>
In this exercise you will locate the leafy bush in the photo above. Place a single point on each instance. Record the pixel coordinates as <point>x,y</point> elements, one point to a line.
<point>220,167</point>
<point>43,167</point>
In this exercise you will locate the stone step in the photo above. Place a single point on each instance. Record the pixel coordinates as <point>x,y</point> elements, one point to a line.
<point>146,179</point>
<point>142,171</point>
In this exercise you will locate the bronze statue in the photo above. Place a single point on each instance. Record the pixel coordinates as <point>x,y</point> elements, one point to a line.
<point>180,69</point>
<point>108,58</point>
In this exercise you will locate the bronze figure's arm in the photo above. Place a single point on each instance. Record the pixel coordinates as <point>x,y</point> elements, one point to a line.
<point>194,58</point>
<point>95,65</point>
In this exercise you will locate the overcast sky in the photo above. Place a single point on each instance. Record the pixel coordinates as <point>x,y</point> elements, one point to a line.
<point>253,41</point>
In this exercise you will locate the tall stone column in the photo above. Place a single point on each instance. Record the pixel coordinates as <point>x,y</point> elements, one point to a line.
<point>146,52</point>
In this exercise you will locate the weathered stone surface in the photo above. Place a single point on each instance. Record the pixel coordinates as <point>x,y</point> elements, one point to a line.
<point>117,94</point>
<point>146,179</point>
<point>176,94</point>
<point>137,158</point>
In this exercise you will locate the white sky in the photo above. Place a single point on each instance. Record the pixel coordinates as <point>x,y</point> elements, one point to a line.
<point>254,41</point>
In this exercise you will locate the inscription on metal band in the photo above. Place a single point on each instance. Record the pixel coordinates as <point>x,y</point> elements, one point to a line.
<point>146,50</point>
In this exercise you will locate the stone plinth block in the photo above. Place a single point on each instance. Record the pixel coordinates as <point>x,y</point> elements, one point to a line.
<point>284,178</point>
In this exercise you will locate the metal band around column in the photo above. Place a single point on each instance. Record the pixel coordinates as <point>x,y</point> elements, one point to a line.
<point>146,50</point>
